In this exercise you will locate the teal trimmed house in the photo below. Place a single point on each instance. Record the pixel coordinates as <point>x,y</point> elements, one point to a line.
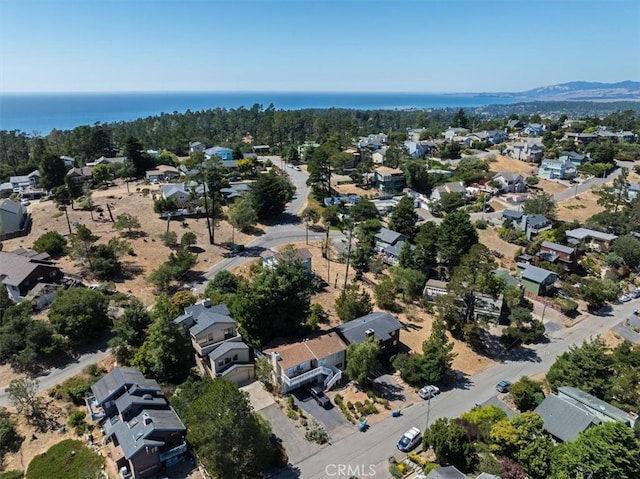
<point>534,280</point>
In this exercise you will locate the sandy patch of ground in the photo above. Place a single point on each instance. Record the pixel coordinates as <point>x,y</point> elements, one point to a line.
<point>489,237</point>
<point>551,187</point>
<point>511,165</point>
<point>579,208</point>
<point>150,252</point>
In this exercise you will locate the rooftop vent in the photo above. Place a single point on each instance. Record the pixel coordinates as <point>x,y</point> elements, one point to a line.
<point>146,418</point>
<point>206,302</point>
<point>369,333</point>
<point>147,397</point>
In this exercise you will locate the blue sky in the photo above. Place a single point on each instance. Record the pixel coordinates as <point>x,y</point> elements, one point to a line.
<point>315,45</point>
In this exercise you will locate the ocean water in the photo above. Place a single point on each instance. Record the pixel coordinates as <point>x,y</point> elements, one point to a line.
<point>40,113</point>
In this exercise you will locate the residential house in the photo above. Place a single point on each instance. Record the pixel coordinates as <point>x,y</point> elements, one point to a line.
<point>576,158</point>
<point>532,225</point>
<point>13,219</point>
<point>378,156</point>
<point>196,147</point>
<point>306,146</point>
<point>486,306</point>
<point>270,258</point>
<point>510,182</point>
<point>429,147</point>
<point>177,191</point>
<point>162,173</point>
<point>513,215</point>
<point>413,134</point>
<point>373,142</point>
<point>414,149</point>
<point>451,132</point>
<point>634,189</point>
<point>80,177</point>
<point>103,160</point>
<point>599,408</point>
<point>515,124</point>
<point>318,359</point>
<point>220,152</point>
<point>534,129</point>
<point>381,326</point>
<point>530,150</point>
<point>451,187</point>
<point>594,240</point>
<point>219,348</point>
<point>391,254</point>
<point>571,411</point>
<point>534,280</point>
<point>434,288</point>
<point>385,238</point>
<point>561,169</point>
<point>553,252</point>
<point>68,161</point>
<point>6,190</point>
<point>21,270</point>
<point>581,138</point>
<point>563,419</point>
<point>25,182</point>
<point>492,137</point>
<point>389,179</point>
<point>627,136</point>
<point>144,435</point>
<point>233,192</point>
<point>447,472</point>
<point>260,149</point>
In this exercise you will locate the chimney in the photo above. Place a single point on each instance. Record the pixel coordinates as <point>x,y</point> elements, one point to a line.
<point>146,419</point>
<point>206,302</point>
<point>368,334</point>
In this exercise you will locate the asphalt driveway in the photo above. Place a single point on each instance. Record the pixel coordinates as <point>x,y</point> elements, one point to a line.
<point>332,418</point>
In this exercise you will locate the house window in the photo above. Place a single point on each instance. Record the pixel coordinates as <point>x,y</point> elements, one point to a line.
<point>227,360</point>
<point>210,337</point>
<point>220,364</point>
<point>228,333</point>
<point>235,357</point>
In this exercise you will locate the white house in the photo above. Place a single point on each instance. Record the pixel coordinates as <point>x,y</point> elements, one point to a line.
<point>510,182</point>
<point>25,183</point>
<point>176,191</point>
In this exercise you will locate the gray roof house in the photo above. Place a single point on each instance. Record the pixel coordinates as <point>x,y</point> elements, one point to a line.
<point>381,326</point>
<point>595,240</point>
<point>563,419</point>
<point>447,472</point>
<point>536,281</point>
<point>513,215</point>
<point>386,237</point>
<point>451,187</point>
<point>510,182</point>
<point>599,408</point>
<point>219,349</point>
<point>116,383</point>
<point>21,270</point>
<point>532,225</point>
<point>13,219</point>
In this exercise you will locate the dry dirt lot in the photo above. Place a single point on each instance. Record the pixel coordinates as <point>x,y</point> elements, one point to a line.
<point>149,250</point>
<point>511,165</point>
<point>579,208</point>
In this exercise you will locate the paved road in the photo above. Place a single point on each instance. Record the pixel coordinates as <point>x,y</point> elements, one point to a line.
<point>59,375</point>
<point>378,443</point>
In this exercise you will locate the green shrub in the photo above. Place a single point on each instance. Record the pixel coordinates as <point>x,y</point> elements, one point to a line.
<point>69,459</point>
<point>74,389</point>
<point>11,475</point>
<point>76,418</point>
<point>316,433</point>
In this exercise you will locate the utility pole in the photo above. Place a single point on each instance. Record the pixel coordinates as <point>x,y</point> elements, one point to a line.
<point>67,216</point>
<point>346,273</point>
<point>206,204</point>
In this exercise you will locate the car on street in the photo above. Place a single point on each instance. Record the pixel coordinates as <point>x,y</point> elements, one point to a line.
<point>635,293</point>
<point>409,439</point>
<point>429,391</point>
<point>25,202</point>
<point>237,249</point>
<point>503,386</point>
<point>625,298</point>
<point>320,397</point>
<point>297,168</point>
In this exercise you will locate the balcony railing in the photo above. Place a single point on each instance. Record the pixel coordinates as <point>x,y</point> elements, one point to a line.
<point>304,377</point>
<point>176,451</point>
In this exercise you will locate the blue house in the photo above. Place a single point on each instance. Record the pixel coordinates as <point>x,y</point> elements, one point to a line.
<point>219,151</point>
<point>557,169</point>
<point>535,129</point>
<point>415,149</point>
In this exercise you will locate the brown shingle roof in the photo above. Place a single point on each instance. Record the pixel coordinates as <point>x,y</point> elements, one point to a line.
<point>318,347</point>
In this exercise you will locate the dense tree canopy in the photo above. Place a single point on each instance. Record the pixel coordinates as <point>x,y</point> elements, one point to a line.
<point>456,235</point>
<point>270,193</point>
<point>79,313</point>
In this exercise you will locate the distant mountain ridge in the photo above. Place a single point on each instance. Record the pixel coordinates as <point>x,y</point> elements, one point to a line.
<point>584,90</point>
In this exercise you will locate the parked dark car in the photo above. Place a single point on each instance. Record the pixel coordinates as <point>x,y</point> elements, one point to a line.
<point>503,386</point>
<point>319,396</point>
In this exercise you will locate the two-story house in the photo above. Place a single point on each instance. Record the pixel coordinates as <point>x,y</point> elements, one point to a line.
<point>388,179</point>
<point>510,182</point>
<point>385,238</point>
<point>220,152</point>
<point>534,129</point>
<point>380,326</point>
<point>196,147</point>
<point>414,149</point>
<point>318,359</point>
<point>452,132</point>
<point>534,280</point>
<point>553,252</point>
<point>450,187</point>
<point>576,158</point>
<point>561,169</point>
<point>80,177</point>
<point>25,183</point>
<point>533,225</point>
<point>219,348</point>
<point>163,173</point>
<point>530,150</point>
<point>144,435</point>
<point>594,240</point>
<point>22,270</point>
